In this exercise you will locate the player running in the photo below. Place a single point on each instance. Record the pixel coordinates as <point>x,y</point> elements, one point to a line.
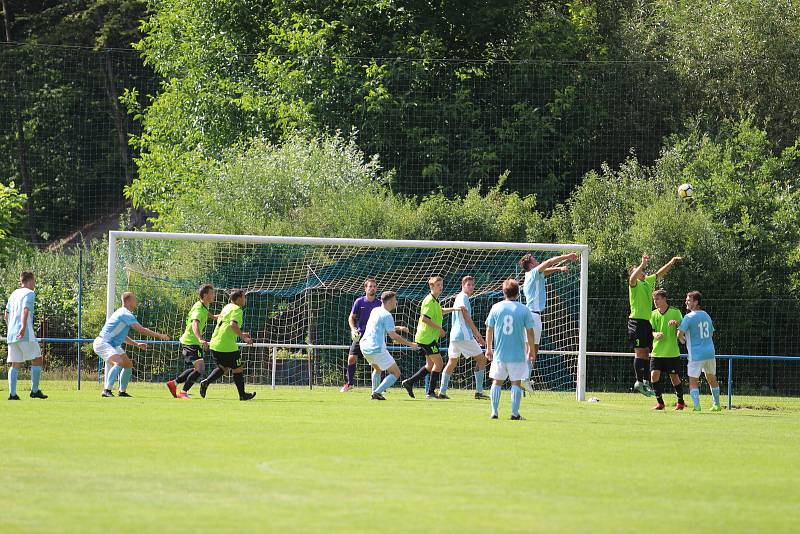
<point>508,327</point>
<point>696,330</point>
<point>465,339</point>
<point>224,347</point>
<point>108,344</point>
<point>640,331</point>
<point>429,330</point>
<point>666,355</point>
<point>535,291</point>
<point>22,343</point>
<point>193,343</point>
<point>359,314</point>
<point>373,344</point>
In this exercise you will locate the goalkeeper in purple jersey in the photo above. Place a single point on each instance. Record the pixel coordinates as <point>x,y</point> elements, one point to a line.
<point>359,315</point>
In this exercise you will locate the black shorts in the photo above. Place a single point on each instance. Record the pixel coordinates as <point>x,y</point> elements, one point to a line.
<point>228,359</point>
<point>666,365</point>
<point>428,349</point>
<point>355,348</point>
<point>640,334</point>
<point>191,353</point>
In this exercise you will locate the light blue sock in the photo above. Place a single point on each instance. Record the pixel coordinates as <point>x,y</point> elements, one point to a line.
<point>495,394</point>
<point>376,380</point>
<point>715,394</point>
<point>427,381</point>
<point>516,399</point>
<point>124,378</point>
<point>13,373</point>
<point>479,377</point>
<point>695,393</point>
<point>445,383</point>
<point>387,383</point>
<point>36,374</point>
<point>112,375</point>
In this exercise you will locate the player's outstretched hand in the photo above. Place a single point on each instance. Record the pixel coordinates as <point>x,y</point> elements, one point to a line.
<point>572,257</point>
<point>403,329</point>
<point>143,346</point>
<point>246,338</point>
<point>645,259</point>
<point>163,337</point>
<point>414,345</point>
<point>676,259</point>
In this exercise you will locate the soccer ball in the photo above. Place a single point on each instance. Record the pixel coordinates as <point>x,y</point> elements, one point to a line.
<point>685,191</point>
<point>355,336</point>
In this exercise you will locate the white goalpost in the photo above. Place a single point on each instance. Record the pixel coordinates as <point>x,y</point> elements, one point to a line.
<point>300,290</point>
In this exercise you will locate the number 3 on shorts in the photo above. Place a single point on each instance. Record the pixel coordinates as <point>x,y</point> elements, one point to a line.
<point>508,324</point>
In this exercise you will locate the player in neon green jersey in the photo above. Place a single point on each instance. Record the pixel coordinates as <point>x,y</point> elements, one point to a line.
<point>640,331</point>
<point>666,355</point>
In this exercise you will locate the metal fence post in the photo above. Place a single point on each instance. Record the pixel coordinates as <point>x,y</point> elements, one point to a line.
<point>730,381</point>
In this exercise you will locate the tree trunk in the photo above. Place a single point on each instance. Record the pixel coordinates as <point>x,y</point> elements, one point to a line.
<point>22,146</point>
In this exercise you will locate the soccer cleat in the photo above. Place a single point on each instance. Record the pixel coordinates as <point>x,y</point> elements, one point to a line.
<point>345,388</point>
<point>107,393</point>
<point>38,394</point>
<point>184,395</point>
<point>517,418</point>
<point>409,388</point>
<point>696,409</point>
<point>247,396</point>
<point>659,406</point>
<point>124,394</point>
<point>442,396</point>
<point>494,416</point>
<point>14,397</point>
<point>378,396</point>
<point>481,396</point>
<point>644,389</point>
<point>679,406</point>
<point>172,386</point>
<point>716,408</point>
<point>527,385</point>
<point>203,388</point>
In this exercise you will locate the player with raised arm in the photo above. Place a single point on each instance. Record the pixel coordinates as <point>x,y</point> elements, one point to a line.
<point>224,347</point>
<point>373,344</point>
<point>640,331</point>
<point>359,315</point>
<point>193,342</point>
<point>666,355</point>
<point>429,330</point>
<point>696,330</point>
<point>509,328</point>
<point>465,339</point>
<point>535,291</point>
<point>22,343</point>
<point>108,344</point>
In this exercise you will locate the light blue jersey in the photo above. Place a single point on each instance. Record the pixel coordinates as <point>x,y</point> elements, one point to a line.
<point>18,301</point>
<point>460,331</point>
<point>117,326</point>
<point>510,319</point>
<point>379,324</point>
<point>533,287</point>
<point>698,327</point>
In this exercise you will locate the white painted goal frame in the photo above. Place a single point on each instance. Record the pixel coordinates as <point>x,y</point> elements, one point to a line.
<point>582,250</point>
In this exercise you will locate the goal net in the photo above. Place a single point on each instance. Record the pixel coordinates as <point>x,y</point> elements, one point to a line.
<point>300,292</point>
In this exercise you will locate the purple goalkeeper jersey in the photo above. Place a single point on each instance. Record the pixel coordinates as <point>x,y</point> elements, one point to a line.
<point>361,309</point>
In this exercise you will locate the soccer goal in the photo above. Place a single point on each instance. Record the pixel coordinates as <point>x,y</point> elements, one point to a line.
<point>300,291</point>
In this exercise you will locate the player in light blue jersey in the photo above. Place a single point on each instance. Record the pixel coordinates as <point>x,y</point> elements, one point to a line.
<point>373,344</point>
<point>534,289</point>
<point>22,343</point>
<point>465,339</point>
<point>108,344</point>
<point>509,327</point>
<point>696,330</point>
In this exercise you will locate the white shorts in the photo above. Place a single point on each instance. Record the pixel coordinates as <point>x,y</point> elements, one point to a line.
<point>382,359</point>
<point>537,327</point>
<point>513,371</point>
<point>104,349</point>
<point>23,351</point>
<point>709,367</point>
<point>464,347</point>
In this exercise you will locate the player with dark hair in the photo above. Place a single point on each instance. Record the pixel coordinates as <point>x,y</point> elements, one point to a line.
<point>193,343</point>
<point>666,355</point>
<point>359,315</point>
<point>224,348</point>
<point>696,330</point>
<point>22,343</point>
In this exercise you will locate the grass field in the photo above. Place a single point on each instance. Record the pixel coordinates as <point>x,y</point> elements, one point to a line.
<point>294,460</point>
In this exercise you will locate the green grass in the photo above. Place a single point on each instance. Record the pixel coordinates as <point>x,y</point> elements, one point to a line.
<point>299,461</point>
